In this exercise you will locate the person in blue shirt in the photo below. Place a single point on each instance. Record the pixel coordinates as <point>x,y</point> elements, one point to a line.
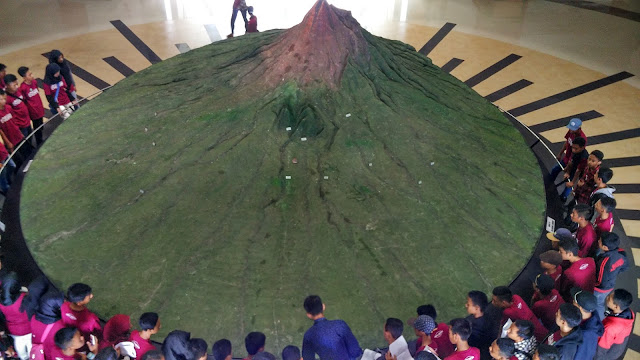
<point>329,339</point>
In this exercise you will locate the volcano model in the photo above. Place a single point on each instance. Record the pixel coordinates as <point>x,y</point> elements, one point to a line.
<point>220,187</point>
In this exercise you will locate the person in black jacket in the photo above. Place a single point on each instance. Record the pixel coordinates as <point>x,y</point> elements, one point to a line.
<point>610,262</point>
<point>56,57</point>
<point>569,337</point>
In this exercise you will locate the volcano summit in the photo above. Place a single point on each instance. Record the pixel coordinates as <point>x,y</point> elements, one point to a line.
<point>176,191</point>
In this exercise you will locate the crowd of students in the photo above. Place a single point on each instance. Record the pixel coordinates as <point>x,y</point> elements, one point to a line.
<point>575,313</point>
<point>22,110</point>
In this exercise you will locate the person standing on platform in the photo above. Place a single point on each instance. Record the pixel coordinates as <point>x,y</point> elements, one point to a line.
<point>29,92</point>
<point>238,6</point>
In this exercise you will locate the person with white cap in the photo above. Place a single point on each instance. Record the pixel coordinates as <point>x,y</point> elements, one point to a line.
<point>575,130</point>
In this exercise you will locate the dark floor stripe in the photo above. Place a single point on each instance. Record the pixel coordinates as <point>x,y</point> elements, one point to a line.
<point>568,94</point>
<point>119,65</point>
<point>602,8</point>
<point>627,214</point>
<point>625,188</point>
<point>492,70</point>
<point>183,48</point>
<point>136,42</point>
<point>212,31</point>
<point>451,64</point>
<point>558,123</point>
<point>437,38</point>
<point>620,162</point>
<point>615,136</point>
<point>85,75</point>
<point>508,90</point>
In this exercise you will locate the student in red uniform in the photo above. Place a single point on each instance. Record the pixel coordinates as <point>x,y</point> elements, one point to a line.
<point>564,156</point>
<point>618,325</point>
<point>550,262</point>
<point>483,329</point>
<point>3,72</point>
<point>586,235</point>
<point>221,350</point>
<point>12,137</point>
<point>609,264</point>
<point>75,312</point>
<point>68,340</point>
<point>587,183</point>
<point>55,89</point>
<point>459,332</point>
<point>252,26</point>
<point>515,308</point>
<point>546,301</point>
<point>15,316</point>
<point>440,335</point>
<point>18,108</point>
<point>576,165</point>
<point>29,92</point>
<point>56,57</point>
<point>502,349</point>
<point>46,321</point>
<point>569,337</point>
<point>241,6</point>
<point>604,217</point>
<point>581,273</point>
<point>423,325</point>
<point>149,325</point>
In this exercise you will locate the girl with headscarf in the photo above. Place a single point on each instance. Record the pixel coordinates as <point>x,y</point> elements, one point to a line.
<point>56,57</point>
<point>55,89</point>
<point>43,308</point>
<point>15,315</point>
<point>176,346</point>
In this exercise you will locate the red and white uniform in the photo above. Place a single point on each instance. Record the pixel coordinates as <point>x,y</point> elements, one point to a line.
<point>19,110</point>
<point>9,127</point>
<point>31,96</point>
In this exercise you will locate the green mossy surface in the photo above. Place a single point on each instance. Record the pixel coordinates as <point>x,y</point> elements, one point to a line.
<point>203,227</point>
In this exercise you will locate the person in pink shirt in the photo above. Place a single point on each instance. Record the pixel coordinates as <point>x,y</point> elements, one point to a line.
<point>31,95</point>
<point>149,325</point>
<point>604,217</point>
<point>68,341</point>
<point>15,316</point>
<point>459,332</point>
<point>439,335</point>
<point>75,313</point>
<point>586,235</point>
<point>514,308</point>
<point>116,330</point>
<point>11,135</point>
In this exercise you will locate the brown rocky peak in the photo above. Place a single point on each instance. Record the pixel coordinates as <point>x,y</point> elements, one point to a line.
<point>315,51</point>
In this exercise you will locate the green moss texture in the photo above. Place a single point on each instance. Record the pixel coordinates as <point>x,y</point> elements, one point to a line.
<point>169,193</point>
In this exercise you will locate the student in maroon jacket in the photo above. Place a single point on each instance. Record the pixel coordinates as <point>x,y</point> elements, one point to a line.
<point>604,216</point>
<point>546,301</point>
<point>440,335</point>
<point>617,326</point>
<point>12,137</point>
<point>18,108</point>
<point>149,325</point>
<point>550,262</point>
<point>68,341</point>
<point>29,92</point>
<point>609,264</point>
<point>576,166</point>
<point>581,273</point>
<point>15,316</point>
<point>586,235</point>
<point>252,25</point>
<point>75,313</point>
<point>515,308</point>
<point>459,332</point>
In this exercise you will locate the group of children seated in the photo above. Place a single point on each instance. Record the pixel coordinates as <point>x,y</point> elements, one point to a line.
<point>22,111</point>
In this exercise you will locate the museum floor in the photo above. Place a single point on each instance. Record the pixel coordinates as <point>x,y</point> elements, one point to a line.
<point>544,61</point>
